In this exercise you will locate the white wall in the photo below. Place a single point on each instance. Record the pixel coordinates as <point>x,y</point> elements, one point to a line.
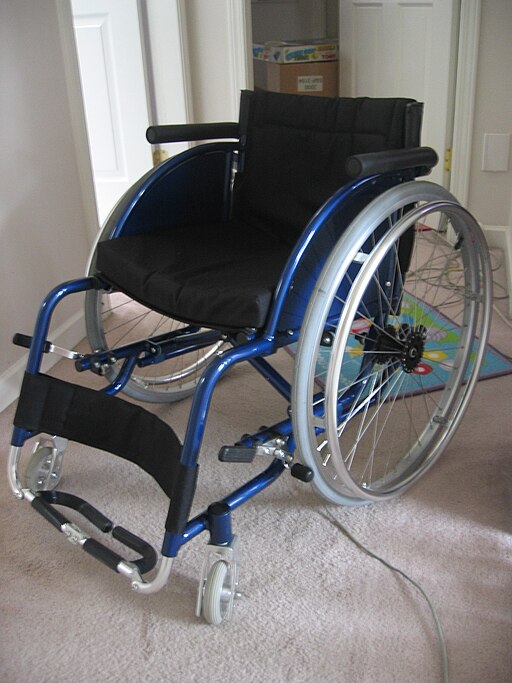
<point>43,222</point>
<point>219,56</point>
<point>490,193</point>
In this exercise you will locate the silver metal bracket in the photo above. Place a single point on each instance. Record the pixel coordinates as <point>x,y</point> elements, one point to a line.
<point>64,353</point>
<point>275,448</point>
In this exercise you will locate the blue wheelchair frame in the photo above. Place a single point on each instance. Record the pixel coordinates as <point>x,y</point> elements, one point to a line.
<point>162,187</point>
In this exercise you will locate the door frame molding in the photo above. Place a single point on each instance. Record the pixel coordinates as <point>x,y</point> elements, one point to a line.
<point>77,115</point>
<point>76,105</point>
<point>465,91</point>
<point>240,24</point>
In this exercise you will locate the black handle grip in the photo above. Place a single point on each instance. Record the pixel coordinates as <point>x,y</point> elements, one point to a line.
<point>361,165</point>
<point>192,131</point>
<point>302,472</point>
<point>25,341</point>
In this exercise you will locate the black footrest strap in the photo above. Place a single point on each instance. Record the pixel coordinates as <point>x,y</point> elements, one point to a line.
<point>55,407</point>
<point>44,502</point>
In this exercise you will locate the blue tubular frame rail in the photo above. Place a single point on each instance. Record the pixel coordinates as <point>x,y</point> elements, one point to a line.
<point>45,314</point>
<point>202,522</point>
<point>204,392</point>
<point>281,329</point>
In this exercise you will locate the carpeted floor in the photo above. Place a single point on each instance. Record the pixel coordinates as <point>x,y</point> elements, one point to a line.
<point>315,609</point>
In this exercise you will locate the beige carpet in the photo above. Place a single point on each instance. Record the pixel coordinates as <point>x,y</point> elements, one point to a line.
<point>315,609</point>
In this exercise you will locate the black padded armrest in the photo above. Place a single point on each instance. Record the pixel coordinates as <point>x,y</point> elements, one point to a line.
<point>361,165</point>
<point>186,132</point>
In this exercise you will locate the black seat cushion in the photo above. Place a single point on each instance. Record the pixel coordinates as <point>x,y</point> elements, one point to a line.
<point>292,158</point>
<point>221,276</point>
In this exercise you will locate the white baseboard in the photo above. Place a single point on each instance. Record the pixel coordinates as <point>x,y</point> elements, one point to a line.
<point>500,236</point>
<point>67,335</point>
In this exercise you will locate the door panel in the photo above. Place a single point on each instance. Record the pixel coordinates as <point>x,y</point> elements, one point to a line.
<point>390,48</point>
<point>110,58</point>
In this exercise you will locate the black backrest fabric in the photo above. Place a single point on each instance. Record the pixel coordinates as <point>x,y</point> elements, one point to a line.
<point>294,153</point>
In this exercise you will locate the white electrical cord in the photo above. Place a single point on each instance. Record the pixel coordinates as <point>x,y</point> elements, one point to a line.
<point>443,275</point>
<point>442,645</point>
<point>448,267</point>
<point>506,320</point>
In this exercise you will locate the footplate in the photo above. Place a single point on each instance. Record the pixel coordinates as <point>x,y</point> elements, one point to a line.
<point>44,502</point>
<point>237,454</point>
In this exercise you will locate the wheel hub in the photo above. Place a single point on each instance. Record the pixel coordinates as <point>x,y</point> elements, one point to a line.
<point>413,348</point>
<point>404,343</point>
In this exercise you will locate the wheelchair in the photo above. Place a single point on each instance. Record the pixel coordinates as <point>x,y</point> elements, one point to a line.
<point>300,229</point>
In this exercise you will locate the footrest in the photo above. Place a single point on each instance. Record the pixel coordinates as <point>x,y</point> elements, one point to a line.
<point>237,454</point>
<point>44,501</point>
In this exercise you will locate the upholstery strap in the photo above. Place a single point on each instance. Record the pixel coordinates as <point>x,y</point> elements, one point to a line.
<point>95,419</point>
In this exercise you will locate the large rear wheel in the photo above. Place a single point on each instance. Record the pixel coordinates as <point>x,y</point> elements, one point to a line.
<point>391,345</point>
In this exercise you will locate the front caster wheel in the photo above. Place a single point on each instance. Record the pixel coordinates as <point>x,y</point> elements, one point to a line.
<point>218,584</point>
<point>217,594</point>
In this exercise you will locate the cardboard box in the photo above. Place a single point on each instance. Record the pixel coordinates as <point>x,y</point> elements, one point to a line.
<point>297,51</point>
<point>303,78</point>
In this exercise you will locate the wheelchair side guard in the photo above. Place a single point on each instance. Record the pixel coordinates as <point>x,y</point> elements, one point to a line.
<point>319,238</point>
<point>193,186</point>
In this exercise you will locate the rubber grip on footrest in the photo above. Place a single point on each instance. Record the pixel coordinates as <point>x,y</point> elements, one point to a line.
<point>149,557</point>
<point>47,511</point>
<point>237,454</point>
<point>69,500</point>
<point>102,553</point>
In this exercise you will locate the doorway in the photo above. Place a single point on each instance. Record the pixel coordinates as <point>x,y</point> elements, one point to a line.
<point>132,75</point>
<point>374,63</point>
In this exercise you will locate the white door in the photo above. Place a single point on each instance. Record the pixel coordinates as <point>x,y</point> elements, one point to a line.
<point>393,48</point>
<point>108,41</point>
